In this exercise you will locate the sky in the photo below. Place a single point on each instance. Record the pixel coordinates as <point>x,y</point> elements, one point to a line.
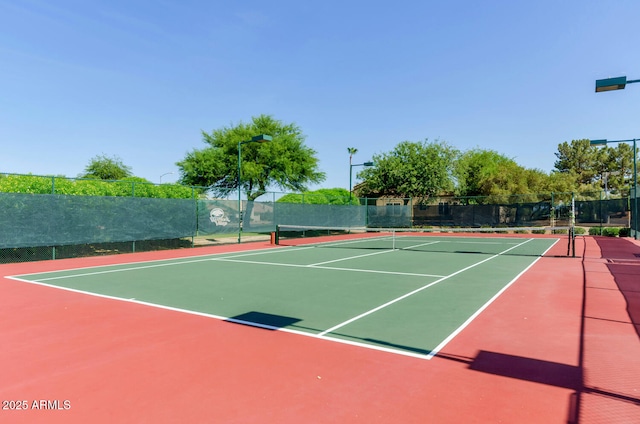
<point>140,80</point>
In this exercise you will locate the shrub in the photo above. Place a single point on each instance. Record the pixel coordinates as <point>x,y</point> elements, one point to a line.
<point>611,231</point>
<point>595,231</point>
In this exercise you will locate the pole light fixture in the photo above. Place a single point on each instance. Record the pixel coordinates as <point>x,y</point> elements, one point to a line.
<point>262,138</point>
<point>611,84</point>
<point>351,175</point>
<point>619,83</point>
<point>634,210</point>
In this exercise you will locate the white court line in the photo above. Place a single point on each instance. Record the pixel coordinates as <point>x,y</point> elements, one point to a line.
<point>419,245</point>
<point>359,240</point>
<point>391,302</point>
<point>349,258</point>
<point>228,319</point>
<point>177,262</point>
<point>465,324</point>
<point>371,271</point>
<point>321,336</point>
<point>153,264</point>
<point>228,258</point>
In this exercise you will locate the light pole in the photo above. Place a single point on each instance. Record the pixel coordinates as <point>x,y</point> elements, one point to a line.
<point>634,211</point>
<point>351,174</point>
<point>619,83</point>
<point>611,84</point>
<point>262,138</point>
<point>166,173</point>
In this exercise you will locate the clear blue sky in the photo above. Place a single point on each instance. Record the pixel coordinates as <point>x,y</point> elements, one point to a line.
<point>140,79</point>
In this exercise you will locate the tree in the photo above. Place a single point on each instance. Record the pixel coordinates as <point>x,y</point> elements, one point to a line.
<point>352,151</point>
<point>606,167</point>
<point>102,167</point>
<point>561,182</point>
<point>615,167</point>
<point>285,162</point>
<point>578,157</point>
<point>483,172</point>
<point>323,196</point>
<point>412,169</point>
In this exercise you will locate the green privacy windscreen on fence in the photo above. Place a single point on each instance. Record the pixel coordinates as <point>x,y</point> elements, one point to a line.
<point>634,222</point>
<point>29,220</point>
<point>221,216</point>
<point>54,220</point>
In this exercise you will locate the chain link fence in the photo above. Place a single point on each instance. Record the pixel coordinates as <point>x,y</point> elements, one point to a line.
<point>38,226</point>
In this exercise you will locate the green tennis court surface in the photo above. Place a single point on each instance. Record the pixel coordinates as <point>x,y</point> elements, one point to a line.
<point>409,299</point>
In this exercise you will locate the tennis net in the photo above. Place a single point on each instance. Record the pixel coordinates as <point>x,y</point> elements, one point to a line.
<point>525,241</point>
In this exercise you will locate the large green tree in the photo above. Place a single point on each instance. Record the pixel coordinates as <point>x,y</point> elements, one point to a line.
<point>413,169</point>
<point>615,170</point>
<point>103,167</point>
<point>481,172</point>
<point>285,162</point>
<point>578,157</point>
<point>593,166</point>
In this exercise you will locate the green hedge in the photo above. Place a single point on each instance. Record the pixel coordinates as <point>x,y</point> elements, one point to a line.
<point>610,231</point>
<point>128,187</point>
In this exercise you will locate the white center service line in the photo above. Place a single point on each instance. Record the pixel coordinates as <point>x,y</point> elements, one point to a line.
<point>391,302</point>
<point>349,258</point>
<point>371,271</point>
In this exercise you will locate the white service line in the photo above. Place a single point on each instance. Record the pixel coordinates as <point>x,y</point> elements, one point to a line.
<point>152,264</point>
<point>464,325</point>
<point>349,258</point>
<point>223,318</point>
<point>331,268</point>
<point>391,302</point>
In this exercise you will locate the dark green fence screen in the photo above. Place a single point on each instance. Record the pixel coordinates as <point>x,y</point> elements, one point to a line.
<point>45,226</point>
<point>29,220</point>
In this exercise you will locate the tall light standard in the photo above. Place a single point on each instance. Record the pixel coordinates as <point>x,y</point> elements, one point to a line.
<point>262,138</point>
<point>610,84</point>
<point>351,175</point>
<point>166,173</point>
<point>634,211</point>
<point>619,83</point>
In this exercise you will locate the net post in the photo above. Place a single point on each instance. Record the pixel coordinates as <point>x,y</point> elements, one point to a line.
<point>572,226</point>
<point>276,236</point>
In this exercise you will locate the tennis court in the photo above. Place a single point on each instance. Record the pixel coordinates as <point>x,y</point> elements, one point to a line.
<point>404,294</point>
<point>371,327</point>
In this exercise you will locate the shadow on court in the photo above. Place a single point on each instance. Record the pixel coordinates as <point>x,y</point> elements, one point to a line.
<point>263,320</point>
<point>521,368</point>
<point>623,261</point>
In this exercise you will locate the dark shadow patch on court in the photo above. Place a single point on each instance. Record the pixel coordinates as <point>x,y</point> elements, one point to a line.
<point>263,320</point>
<point>623,261</point>
<point>529,369</point>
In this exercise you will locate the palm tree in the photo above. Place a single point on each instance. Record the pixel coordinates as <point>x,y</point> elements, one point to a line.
<point>352,151</point>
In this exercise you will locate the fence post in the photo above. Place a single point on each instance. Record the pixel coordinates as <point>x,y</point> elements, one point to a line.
<point>600,211</point>
<point>552,212</point>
